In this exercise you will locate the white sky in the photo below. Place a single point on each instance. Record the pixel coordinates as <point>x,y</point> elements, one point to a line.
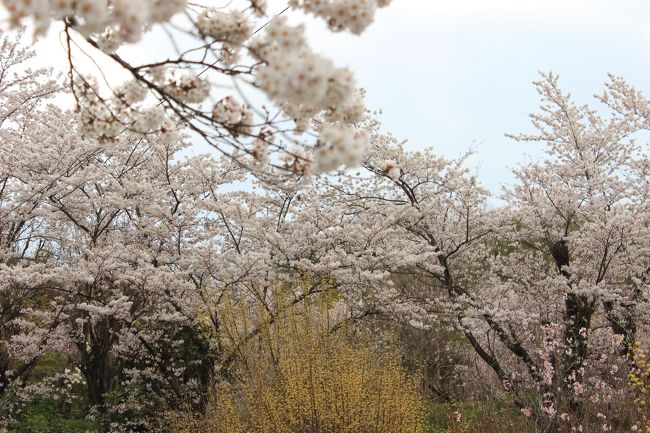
<point>457,74</point>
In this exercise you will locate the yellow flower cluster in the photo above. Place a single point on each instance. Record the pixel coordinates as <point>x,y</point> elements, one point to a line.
<point>640,384</point>
<point>299,376</point>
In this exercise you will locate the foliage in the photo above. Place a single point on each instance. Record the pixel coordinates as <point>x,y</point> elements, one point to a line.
<point>127,259</point>
<point>639,378</point>
<point>61,407</point>
<point>301,375</point>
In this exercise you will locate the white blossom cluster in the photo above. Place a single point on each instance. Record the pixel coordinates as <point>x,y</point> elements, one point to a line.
<point>297,160</point>
<point>339,146</point>
<point>96,118</point>
<point>117,307</point>
<point>187,87</point>
<point>108,118</point>
<point>294,73</point>
<point>232,27</point>
<point>353,110</point>
<point>151,119</point>
<point>305,84</point>
<point>352,15</point>
<point>129,17</point>
<point>131,92</point>
<point>229,112</point>
<point>260,149</point>
<point>391,169</point>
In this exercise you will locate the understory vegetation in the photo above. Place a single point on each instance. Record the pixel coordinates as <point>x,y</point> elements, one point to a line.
<point>309,273</point>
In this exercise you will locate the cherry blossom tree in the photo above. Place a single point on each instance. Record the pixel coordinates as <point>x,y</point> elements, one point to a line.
<point>129,256</point>
<point>120,254</point>
<point>240,46</point>
<point>580,212</point>
<point>124,256</point>
<point>85,260</point>
<point>549,289</point>
<point>22,92</point>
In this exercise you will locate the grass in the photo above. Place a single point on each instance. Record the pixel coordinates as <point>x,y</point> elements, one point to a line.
<point>480,416</point>
<point>50,415</point>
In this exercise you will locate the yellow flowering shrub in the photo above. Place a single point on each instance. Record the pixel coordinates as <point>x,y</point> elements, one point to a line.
<point>298,376</point>
<point>640,384</point>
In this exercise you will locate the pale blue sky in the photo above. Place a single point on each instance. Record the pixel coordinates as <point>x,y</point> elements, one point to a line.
<point>457,74</point>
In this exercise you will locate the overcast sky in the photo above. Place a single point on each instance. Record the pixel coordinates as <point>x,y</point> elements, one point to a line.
<point>457,74</point>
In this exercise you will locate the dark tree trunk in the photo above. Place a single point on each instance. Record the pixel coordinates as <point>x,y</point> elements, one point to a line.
<point>622,319</point>
<point>577,317</point>
<point>96,363</point>
<point>578,311</point>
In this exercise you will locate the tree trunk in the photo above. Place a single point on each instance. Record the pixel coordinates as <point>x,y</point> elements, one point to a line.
<point>96,363</point>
